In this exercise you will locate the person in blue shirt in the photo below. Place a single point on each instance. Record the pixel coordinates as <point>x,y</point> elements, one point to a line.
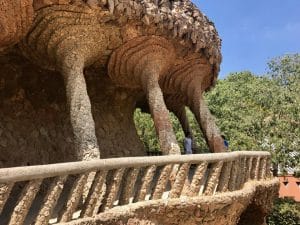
<point>188,144</point>
<point>226,143</point>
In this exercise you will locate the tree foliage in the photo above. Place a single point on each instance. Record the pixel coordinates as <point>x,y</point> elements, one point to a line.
<point>253,112</point>
<point>259,113</point>
<point>285,71</point>
<point>146,130</point>
<point>285,212</point>
<point>242,103</point>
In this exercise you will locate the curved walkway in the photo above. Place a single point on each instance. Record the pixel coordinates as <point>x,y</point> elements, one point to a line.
<point>93,188</point>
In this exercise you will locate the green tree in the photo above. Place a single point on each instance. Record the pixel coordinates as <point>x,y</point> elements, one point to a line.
<point>253,112</point>
<point>146,130</point>
<point>285,71</point>
<point>285,212</point>
<point>262,113</point>
<point>242,104</point>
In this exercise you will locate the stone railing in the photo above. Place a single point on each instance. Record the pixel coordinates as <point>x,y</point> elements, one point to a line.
<point>87,188</point>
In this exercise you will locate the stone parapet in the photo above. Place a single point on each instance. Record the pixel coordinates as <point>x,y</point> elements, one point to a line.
<point>247,206</point>
<point>148,190</point>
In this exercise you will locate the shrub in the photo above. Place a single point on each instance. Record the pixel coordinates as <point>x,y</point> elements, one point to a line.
<point>285,212</point>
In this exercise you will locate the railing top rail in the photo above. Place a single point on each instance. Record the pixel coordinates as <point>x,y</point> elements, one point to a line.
<point>15,174</point>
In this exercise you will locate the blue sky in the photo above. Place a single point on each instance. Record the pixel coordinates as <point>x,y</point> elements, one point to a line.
<point>254,31</point>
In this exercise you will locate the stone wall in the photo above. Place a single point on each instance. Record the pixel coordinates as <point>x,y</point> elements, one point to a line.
<point>34,119</point>
<point>223,209</point>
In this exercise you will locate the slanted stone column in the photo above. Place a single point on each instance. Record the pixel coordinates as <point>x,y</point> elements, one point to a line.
<point>140,64</point>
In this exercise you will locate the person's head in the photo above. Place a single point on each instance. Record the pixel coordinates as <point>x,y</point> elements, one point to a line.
<point>188,134</point>
<point>223,136</point>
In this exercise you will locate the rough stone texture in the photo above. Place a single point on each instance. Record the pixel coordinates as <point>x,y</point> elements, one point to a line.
<point>5,190</point>
<point>223,209</point>
<point>15,20</point>
<point>86,109</point>
<point>213,178</point>
<point>256,168</point>
<point>114,178</point>
<point>185,84</point>
<point>112,190</point>
<point>234,175</point>
<point>259,207</point>
<point>225,177</point>
<point>128,188</point>
<point>73,198</point>
<point>24,203</point>
<point>35,127</point>
<point>243,171</point>
<point>263,169</point>
<point>141,63</point>
<point>162,182</point>
<point>95,192</point>
<point>180,113</point>
<point>197,179</point>
<point>50,200</point>
<point>89,24</point>
<point>249,168</point>
<point>145,184</point>
<point>179,181</point>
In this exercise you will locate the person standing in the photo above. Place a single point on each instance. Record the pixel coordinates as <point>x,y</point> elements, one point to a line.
<point>188,144</point>
<point>226,143</point>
